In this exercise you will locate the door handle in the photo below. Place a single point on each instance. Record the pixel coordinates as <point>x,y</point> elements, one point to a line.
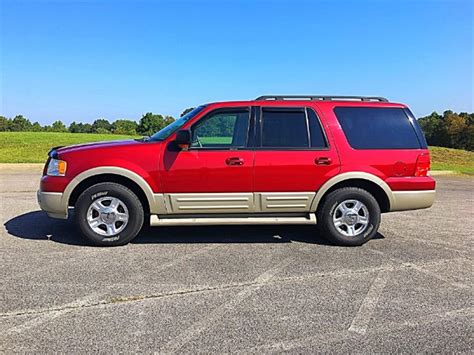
<point>323,161</point>
<point>234,161</point>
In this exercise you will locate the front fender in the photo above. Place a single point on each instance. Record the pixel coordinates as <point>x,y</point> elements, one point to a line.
<point>155,201</point>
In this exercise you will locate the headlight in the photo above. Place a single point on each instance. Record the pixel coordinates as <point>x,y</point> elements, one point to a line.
<point>56,167</point>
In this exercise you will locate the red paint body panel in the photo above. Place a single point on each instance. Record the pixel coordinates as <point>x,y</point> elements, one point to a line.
<point>197,171</point>
<point>411,183</point>
<point>206,171</point>
<point>138,157</point>
<point>290,171</point>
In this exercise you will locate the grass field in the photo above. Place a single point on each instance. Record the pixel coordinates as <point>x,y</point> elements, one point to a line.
<point>457,160</point>
<point>32,147</point>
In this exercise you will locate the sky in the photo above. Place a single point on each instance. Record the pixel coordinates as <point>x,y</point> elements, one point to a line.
<point>89,59</point>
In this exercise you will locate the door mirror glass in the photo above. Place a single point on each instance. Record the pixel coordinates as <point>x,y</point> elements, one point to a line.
<point>183,138</point>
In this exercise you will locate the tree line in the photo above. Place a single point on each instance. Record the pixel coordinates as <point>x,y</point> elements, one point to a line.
<point>148,124</point>
<point>452,130</point>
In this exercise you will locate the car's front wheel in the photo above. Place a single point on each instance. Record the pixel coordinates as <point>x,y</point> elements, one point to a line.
<point>349,216</point>
<point>109,214</point>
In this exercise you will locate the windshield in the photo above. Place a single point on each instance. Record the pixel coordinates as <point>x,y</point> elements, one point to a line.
<point>173,127</point>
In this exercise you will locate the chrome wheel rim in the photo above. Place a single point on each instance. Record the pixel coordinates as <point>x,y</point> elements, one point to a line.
<point>107,216</point>
<point>351,218</point>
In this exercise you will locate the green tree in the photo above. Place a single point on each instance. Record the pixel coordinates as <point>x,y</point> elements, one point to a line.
<point>169,120</point>
<point>85,127</point>
<point>58,126</point>
<point>449,130</point>
<point>20,124</point>
<point>434,128</point>
<point>75,127</point>
<point>101,130</point>
<point>150,124</point>
<point>456,126</point>
<point>123,126</point>
<point>103,124</point>
<point>4,124</point>
<point>36,127</point>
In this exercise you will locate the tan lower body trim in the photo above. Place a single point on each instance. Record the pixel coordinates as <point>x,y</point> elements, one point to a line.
<point>245,202</point>
<point>412,200</point>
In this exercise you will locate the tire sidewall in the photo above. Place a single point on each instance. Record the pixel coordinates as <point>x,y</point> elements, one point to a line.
<point>101,190</point>
<point>347,194</point>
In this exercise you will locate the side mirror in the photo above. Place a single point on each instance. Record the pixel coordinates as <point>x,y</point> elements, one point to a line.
<point>183,139</point>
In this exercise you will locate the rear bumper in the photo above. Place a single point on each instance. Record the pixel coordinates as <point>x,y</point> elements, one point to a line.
<point>52,204</point>
<point>412,200</point>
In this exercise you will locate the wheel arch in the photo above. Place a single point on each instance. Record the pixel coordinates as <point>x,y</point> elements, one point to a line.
<point>371,183</point>
<point>125,177</point>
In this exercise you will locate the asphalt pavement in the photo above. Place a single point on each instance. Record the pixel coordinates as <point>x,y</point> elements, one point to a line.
<point>247,289</point>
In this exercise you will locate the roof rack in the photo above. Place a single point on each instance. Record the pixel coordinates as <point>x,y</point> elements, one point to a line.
<point>321,98</point>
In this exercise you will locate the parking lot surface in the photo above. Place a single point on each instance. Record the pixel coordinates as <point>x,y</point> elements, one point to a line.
<point>237,288</point>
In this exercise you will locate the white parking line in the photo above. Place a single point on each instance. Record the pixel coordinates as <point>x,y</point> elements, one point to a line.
<point>182,339</point>
<point>361,321</point>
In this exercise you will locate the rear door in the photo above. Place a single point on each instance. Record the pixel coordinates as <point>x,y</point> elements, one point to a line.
<point>293,158</point>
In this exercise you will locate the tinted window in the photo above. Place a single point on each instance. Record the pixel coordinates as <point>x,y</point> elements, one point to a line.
<point>284,129</point>
<point>223,129</point>
<point>377,128</point>
<point>317,136</point>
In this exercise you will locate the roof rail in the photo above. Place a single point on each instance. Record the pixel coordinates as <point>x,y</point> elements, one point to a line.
<point>321,98</point>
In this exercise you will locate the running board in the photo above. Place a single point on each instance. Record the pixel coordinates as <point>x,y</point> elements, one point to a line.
<point>180,221</point>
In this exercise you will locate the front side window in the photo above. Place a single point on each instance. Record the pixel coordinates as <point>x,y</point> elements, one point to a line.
<point>224,129</point>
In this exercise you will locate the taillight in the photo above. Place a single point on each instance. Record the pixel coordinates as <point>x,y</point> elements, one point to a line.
<point>422,164</point>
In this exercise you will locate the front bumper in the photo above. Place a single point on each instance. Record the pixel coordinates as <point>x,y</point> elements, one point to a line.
<point>52,204</point>
<point>412,200</point>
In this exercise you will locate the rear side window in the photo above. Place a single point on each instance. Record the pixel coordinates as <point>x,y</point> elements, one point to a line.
<point>377,128</point>
<point>291,128</point>
<point>284,129</point>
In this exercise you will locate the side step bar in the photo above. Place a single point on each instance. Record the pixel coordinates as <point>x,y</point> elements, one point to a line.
<point>179,221</point>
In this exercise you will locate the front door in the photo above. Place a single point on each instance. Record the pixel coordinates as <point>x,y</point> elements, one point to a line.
<point>216,174</point>
<point>293,159</point>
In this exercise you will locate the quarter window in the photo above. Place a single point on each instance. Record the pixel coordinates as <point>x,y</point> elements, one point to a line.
<point>377,128</point>
<point>223,129</point>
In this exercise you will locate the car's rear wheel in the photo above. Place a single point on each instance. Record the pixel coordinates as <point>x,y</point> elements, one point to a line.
<point>109,214</point>
<point>349,216</point>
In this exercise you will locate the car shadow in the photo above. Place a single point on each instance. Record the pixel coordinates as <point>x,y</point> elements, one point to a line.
<point>37,225</point>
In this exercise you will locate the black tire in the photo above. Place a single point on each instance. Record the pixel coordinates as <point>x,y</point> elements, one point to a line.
<point>328,209</point>
<point>101,191</point>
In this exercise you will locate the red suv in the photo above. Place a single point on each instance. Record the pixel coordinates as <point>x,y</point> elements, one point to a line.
<point>336,161</point>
